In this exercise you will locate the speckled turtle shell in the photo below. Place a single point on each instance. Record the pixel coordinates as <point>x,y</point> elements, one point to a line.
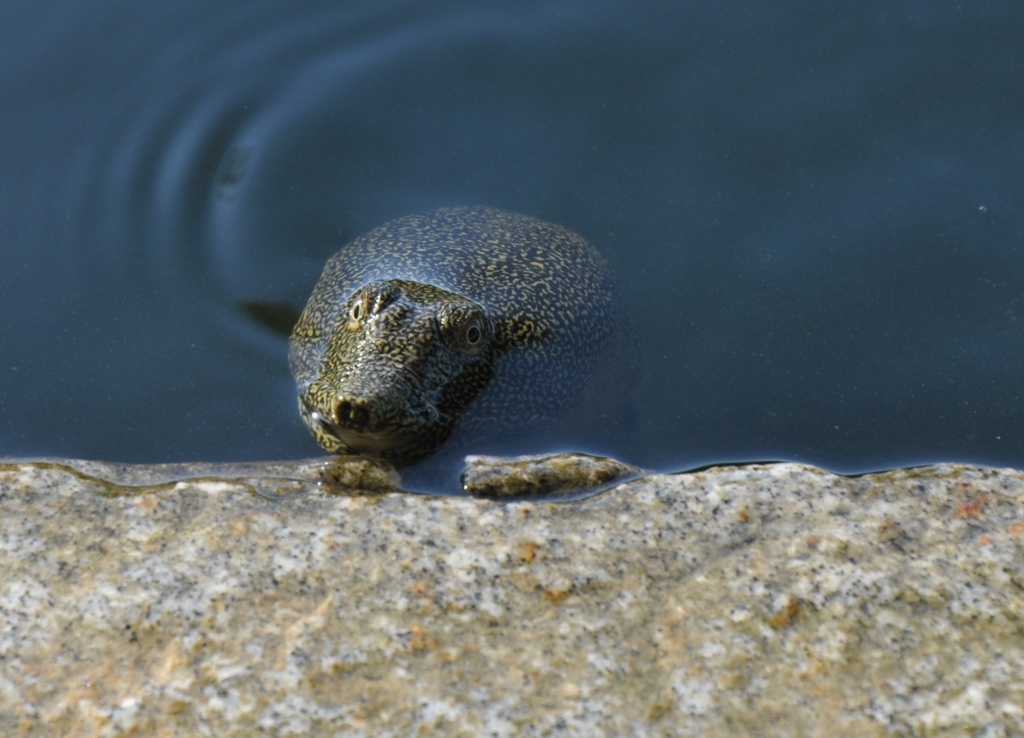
<point>465,320</point>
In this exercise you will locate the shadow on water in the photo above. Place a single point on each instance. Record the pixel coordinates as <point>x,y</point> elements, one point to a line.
<point>815,217</point>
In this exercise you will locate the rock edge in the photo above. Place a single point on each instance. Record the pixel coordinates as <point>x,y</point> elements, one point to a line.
<point>777,598</point>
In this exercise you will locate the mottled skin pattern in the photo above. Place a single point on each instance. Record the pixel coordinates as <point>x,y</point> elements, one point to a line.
<point>467,320</point>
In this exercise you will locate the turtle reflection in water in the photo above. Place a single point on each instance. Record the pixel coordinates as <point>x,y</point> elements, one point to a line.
<point>451,326</point>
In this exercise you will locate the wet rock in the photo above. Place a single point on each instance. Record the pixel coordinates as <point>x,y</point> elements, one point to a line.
<point>737,600</point>
<point>556,474</point>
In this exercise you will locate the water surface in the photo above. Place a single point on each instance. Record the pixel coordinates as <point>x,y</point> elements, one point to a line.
<point>815,212</point>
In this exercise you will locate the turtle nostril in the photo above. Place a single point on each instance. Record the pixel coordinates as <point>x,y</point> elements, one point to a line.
<point>351,413</point>
<point>342,411</point>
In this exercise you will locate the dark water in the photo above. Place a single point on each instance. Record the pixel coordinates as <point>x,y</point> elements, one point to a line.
<point>816,210</point>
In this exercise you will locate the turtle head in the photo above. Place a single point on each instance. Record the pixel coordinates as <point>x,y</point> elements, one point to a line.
<point>388,371</point>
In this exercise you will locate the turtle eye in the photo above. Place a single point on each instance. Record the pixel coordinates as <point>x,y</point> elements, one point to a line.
<point>465,329</point>
<point>370,300</point>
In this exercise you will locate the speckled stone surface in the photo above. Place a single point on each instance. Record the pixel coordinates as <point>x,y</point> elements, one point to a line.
<point>774,600</point>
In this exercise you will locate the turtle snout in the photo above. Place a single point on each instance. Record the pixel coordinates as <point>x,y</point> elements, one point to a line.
<point>353,412</point>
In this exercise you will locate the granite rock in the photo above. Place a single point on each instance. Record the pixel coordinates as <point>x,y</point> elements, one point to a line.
<point>775,599</point>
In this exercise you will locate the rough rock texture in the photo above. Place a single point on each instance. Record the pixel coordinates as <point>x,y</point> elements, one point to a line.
<point>775,600</point>
<point>556,474</point>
